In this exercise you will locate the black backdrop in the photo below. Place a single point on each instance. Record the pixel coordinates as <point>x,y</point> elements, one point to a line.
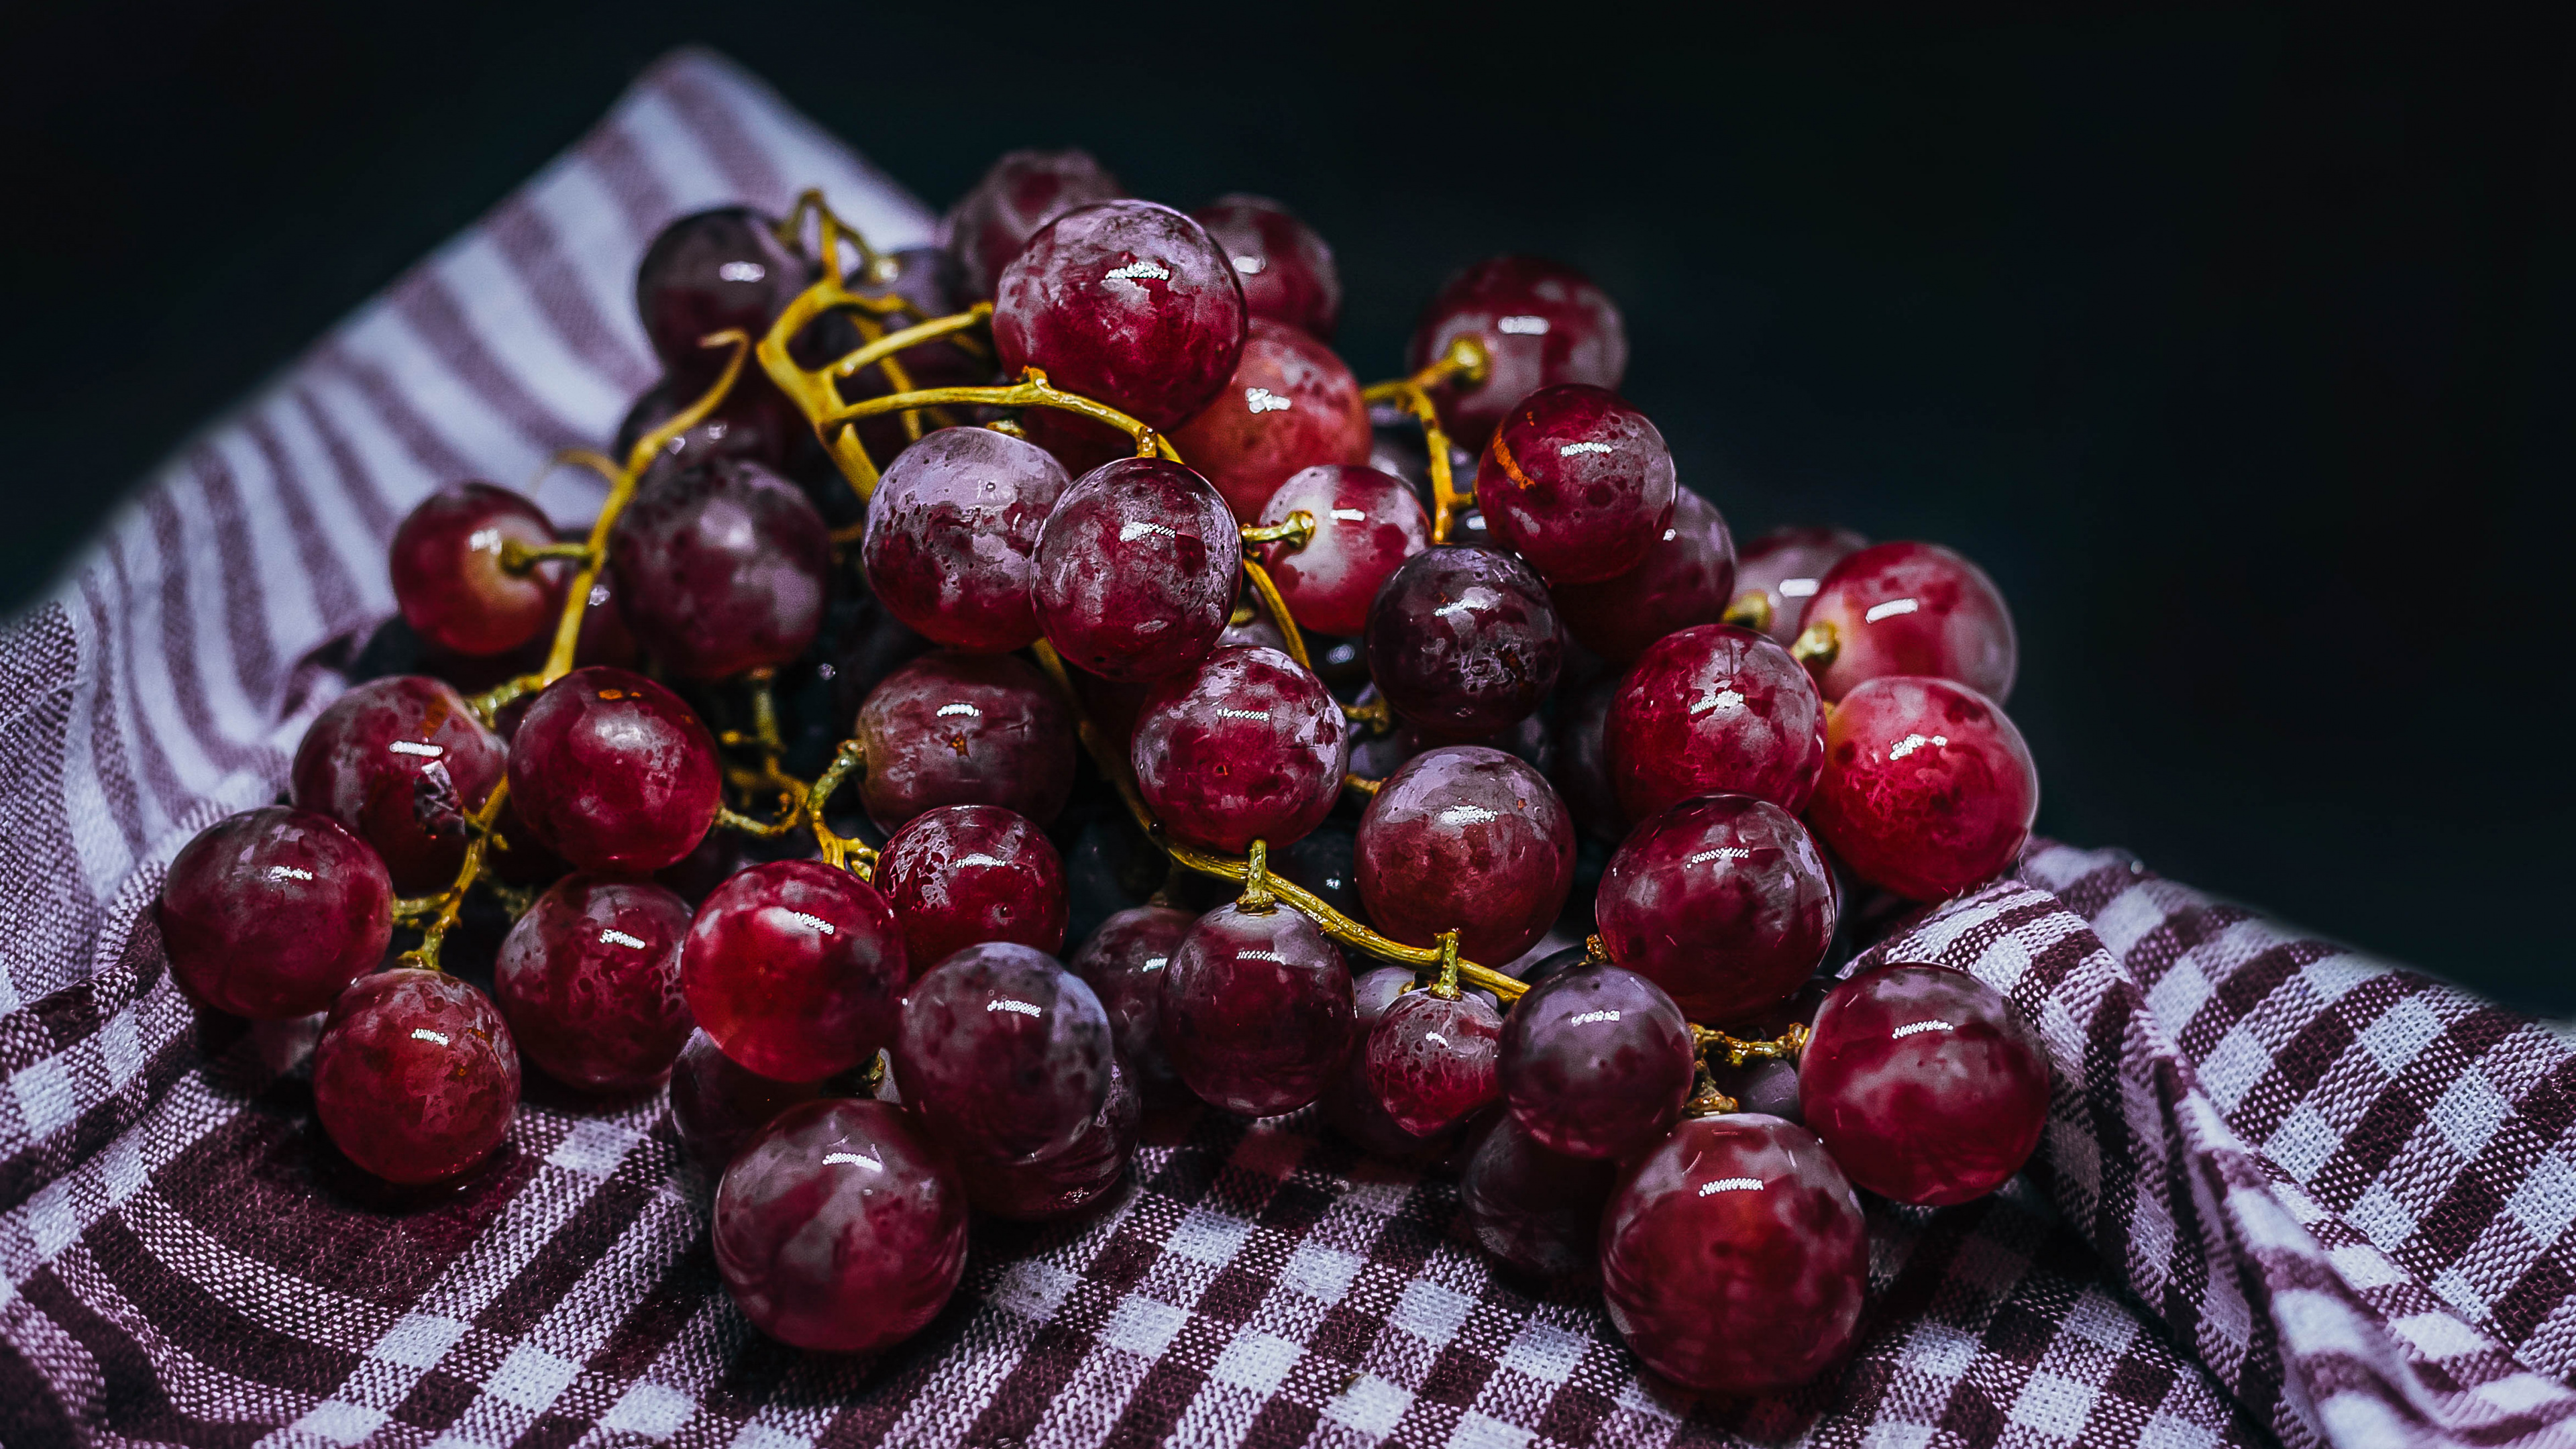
<point>2236,345</point>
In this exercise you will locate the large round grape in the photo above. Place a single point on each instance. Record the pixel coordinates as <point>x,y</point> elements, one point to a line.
<point>589,980</point>
<point>269,913</point>
<point>448,578</point>
<point>613,772</point>
<point>1127,303</point>
<point>950,534</point>
<point>1136,570</point>
<point>718,1105</point>
<point>414,1076</point>
<point>1256,1010</point>
<point>1535,1209</point>
<point>1577,482</point>
<point>1785,567</point>
<point>1004,1052</point>
<point>1468,839</point>
<point>1074,1179</point>
<point>1926,1084</point>
<point>1367,523</point>
<point>1928,788</point>
<point>965,729</point>
<point>841,1228</point>
<point>961,875</point>
<point>1688,578</point>
<point>1433,1060</point>
<point>709,271</point>
<point>1464,641</point>
<point>1124,961</point>
<point>1914,608</point>
<point>721,568</point>
<point>1733,1256</point>
<point>1541,324</point>
<point>1714,708</point>
<point>1287,271</point>
<point>1022,192</point>
<point>1248,746</point>
<point>1596,1061</point>
<point>400,761</point>
<point>1724,901</point>
<point>796,969</point>
<point>1291,405</point>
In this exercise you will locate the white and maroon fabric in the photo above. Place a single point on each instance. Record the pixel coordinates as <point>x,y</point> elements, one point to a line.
<point>2287,1194</point>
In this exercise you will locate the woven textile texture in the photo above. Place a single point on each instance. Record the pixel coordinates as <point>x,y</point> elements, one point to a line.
<point>2286,1194</point>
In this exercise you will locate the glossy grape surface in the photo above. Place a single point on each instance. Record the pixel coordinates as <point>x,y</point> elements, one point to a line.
<point>1928,788</point>
<point>1596,1062</point>
<point>1714,709</point>
<point>1577,482</point>
<point>269,913</point>
<point>1470,839</point>
<point>1688,578</point>
<point>1127,303</point>
<point>965,874</point>
<point>1435,1062</point>
<point>613,772</point>
<point>717,1105</point>
<point>1256,1010</point>
<point>1287,271</point>
<point>950,535</point>
<point>1927,1085</point>
<point>1725,901</point>
<point>709,271</point>
<point>1536,1209</point>
<point>1078,1177</point>
<point>414,1077</point>
<point>448,579</point>
<point>1541,324</point>
<point>1248,746</point>
<point>965,729</point>
<point>796,970</point>
<point>1463,641</point>
<point>1022,192</point>
<point>754,422</point>
<point>1004,1052</point>
<point>400,761</point>
<point>1367,523</point>
<point>841,1228</point>
<point>1733,1256</point>
<point>721,568</point>
<point>1350,1104</point>
<point>1136,570</point>
<point>1786,566</point>
<point>589,980</point>
<point>1914,608</point>
<point>1124,962</point>
<point>1290,405</point>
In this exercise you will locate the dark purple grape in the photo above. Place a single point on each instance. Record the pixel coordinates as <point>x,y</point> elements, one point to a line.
<point>1785,567</point>
<point>1433,1060</point>
<point>1136,570</point>
<point>1463,641</point>
<point>796,969</point>
<point>1467,839</point>
<point>1577,482</point>
<point>1541,323</point>
<point>721,568</point>
<point>965,729</point>
<point>1075,1179</point>
<point>951,531</point>
<point>270,913</point>
<point>1537,1210</point>
<point>1926,1084</point>
<point>717,1104</point>
<point>1004,1052</point>
<point>1287,271</point>
<point>840,1228</point>
<point>1714,709</point>
<point>1126,303</point>
<point>1124,962</point>
<point>1688,578</point>
<point>709,271</point>
<point>1021,193</point>
<point>1248,746</point>
<point>415,1078</point>
<point>612,772</point>
<point>401,761</point>
<point>448,578</point>
<point>589,980</point>
<point>1596,1062</point>
<point>1290,405</point>
<point>1724,901</point>
<point>1256,1010</point>
<point>962,875</point>
<point>1582,773</point>
<point>753,422</point>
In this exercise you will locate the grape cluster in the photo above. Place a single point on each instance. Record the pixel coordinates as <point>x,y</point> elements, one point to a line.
<point>1163,647</point>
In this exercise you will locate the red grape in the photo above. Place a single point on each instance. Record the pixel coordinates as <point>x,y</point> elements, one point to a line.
<point>1256,1010</point>
<point>840,1228</point>
<point>717,1104</point>
<point>1432,1061</point>
<point>415,1077</point>
<point>1463,641</point>
<point>1076,1178</point>
<point>1733,1256</point>
<point>612,772</point>
<point>400,761</point>
<point>269,913</point>
<point>1136,570</point>
<point>1248,746</point>
<point>1925,1083</point>
<point>1688,578</point>
<point>950,533</point>
<point>1582,773</point>
<point>1124,962</point>
<point>796,969</point>
<point>1290,405</point>
<point>1714,709</point>
<point>965,729</point>
<point>1021,193</point>
<point>1596,1062</point>
<point>1723,901</point>
<point>1786,566</point>
<point>448,577</point>
<point>721,568</point>
<point>754,421</point>
<point>1577,482</point>
<point>1928,788</point>
<point>1126,303</point>
<point>1541,323</point>
<point>1350,1104</point>
<point>1004,1052</point>
<point>1536,1209</point>
<point>1913,608</point>
<point>709,271</point>
<point>1468,839</point>
<point>1367,523</point>
<point>589,980</point>
<point>1286,270</point>
<point>962,875</point>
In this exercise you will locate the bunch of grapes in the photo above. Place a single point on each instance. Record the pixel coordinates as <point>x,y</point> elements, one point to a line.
<point>797,775</point>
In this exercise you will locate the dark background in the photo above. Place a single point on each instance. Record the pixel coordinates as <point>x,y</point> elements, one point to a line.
<point>2236,345</point>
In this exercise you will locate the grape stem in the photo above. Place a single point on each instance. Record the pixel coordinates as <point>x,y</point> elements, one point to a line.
<point>518,558</point>
<point>1737,1051</point>
<point>1749,610</point>
<point>838,849</point>
<point>1816,646</point>
<point>1299,528</point>
<point>1465,360</point>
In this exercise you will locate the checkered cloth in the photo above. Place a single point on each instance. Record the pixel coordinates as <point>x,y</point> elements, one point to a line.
<point>2286,1193</point>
